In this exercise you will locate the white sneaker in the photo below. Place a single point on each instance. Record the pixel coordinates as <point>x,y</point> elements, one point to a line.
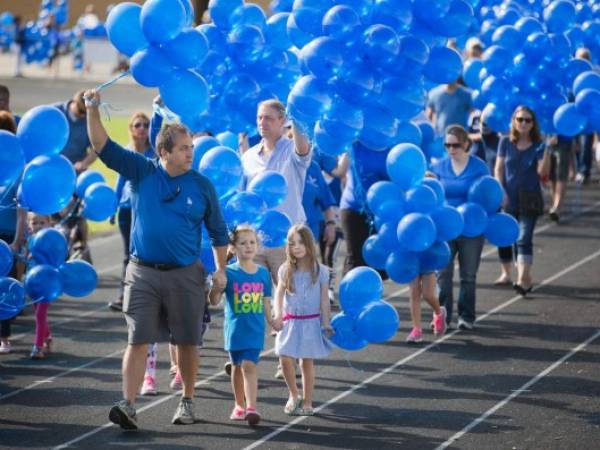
<point>5,348</point>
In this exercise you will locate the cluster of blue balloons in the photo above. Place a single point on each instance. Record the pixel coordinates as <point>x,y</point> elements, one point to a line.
<point>99,199</point>
<point>414,222</point>
<point>365,318</point>
<point>7,30</point>
<point>529,60</point>
<point>366,66</point>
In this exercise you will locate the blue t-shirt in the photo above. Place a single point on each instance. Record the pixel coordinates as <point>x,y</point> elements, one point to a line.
<point>369,165</point>
<point>449,108</point>
<point>168,212</point>
<point>457,186</point>
<point>76,148</point>
<point>244,326</point>
<point>317,198</point>
<point>520,169</point>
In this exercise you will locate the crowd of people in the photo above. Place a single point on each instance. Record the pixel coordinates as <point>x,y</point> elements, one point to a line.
<point>165,287</point>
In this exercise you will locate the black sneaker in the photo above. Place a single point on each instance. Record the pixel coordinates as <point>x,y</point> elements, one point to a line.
<point>227,368</point>
<point>123,414</point>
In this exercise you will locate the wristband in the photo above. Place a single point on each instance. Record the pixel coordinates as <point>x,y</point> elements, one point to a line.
<point>90,102</point>
<point>331,222</point>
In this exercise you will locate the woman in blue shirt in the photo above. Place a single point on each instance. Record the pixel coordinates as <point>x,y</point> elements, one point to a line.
<point>520,163</point>
<point>457,174</point>
<point>138,142</point>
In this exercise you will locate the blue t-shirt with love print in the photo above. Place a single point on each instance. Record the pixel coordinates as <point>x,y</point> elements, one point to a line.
<point>244,326</point>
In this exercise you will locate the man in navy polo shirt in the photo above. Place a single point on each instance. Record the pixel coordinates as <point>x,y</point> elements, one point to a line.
<point>164,281</point>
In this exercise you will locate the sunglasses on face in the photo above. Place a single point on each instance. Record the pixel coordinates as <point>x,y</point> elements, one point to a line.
<point>452,145</point>
<point>146,125</point>
<point>524,119</point>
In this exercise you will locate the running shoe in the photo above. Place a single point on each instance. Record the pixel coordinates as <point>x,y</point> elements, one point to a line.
<point>184,414</point>
<point>439,322</point>
<point>149,386</point>
<point>5,348</point>
<point>237,414</point>
<point>177,382</point>
<point>37,353</point>
<point>123,414</point>
<point>464,324</point>
<point>415,336</point>
<point>252,416</point>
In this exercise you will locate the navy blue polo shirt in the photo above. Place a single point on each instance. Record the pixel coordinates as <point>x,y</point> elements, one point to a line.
<point>167,212</point>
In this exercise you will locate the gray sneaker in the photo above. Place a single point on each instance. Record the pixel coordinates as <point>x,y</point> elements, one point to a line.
<point>464,325</point>
<point>184,415</point>
<point>123,414</point>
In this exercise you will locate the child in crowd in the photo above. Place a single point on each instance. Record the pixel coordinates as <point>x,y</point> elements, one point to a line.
<point>247,293</point>
<point>302,315</point>
<point>43,338</point>
<point>425,286</point>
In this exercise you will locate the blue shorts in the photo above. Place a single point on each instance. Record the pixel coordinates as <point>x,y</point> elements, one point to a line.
<point>248,354</point>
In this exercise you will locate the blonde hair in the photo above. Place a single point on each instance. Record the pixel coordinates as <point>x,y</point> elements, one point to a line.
<point>291,264</point>
<point>139,115</point>
<point>234,235</point>
<point>275,105</point>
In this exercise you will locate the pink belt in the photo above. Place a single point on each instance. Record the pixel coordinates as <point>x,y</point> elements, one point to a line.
<point>300,317</point>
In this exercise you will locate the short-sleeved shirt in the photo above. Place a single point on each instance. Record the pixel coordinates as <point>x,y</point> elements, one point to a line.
<point>316,199</point>
<point>285,160</point>
<point>520,169</point>
<point>244,326</point>
<point>370,167</point>
<point>168,212</point>
<point>449,108</point>
<point>457,186</point>
<point>76,148</point>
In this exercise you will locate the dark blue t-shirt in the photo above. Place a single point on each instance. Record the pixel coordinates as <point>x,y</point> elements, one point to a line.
<point>316,198</point>
<point>449,108</point>
<point>520,169</point>
<point>168,212</point>
<point>457,186</point>
<point>369,165</point>
<point>76,148</point>
<point>244,326</point>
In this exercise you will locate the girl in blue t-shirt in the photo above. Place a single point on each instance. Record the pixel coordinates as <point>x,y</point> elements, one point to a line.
<point>247,294</point>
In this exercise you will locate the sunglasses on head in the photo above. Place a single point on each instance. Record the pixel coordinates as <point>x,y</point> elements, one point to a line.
<point>141,124</point>
<point>524,119</point>
<point>452,145</point>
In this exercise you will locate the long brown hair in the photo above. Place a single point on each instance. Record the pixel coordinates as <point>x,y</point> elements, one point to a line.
<point>291,264</point>
<point>7,122</point>
<point>534,134</point>
<point>143,116</point>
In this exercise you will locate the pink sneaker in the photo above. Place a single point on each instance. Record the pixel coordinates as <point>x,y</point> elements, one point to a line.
<point>439,322</point>
<point>252,416</point>
<point>237,414</point>
<point>149,387</point>
<point>415,336</point>
<point>177,382</point>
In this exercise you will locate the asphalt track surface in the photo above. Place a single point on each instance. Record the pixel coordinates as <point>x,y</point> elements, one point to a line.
<point>526,378</point>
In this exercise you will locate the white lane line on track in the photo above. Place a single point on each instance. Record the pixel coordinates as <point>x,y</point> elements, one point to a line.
<point>417,353</point>
<point>517,392</point>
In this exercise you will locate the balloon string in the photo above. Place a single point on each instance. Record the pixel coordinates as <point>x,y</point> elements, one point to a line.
<point>347,358</point>
<point>359,189</point>
<point>165,112</point>
<point>107,107</point>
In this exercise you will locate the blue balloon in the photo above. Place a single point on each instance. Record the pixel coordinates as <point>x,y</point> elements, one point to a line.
<point>162,20</point>
<point>49,246</point>
<point>487,192</point>
<point>271,186</point>
<point>377,322</point>
<point>357,84</point>
<point>380,45</point>
<point>528,25</point>
<point>217,40</point>
<point>586,80</point>
<point>322,57</point>
<point>475,219</point>
<point>359,287</point>
<point>275,31</point>
<point>99,202</point>
<point>12,298</point>
<point>435,258</point>
<point>574,68</point>
<point>404,98</point>
<point>410,133</point>
<point>502,230</point>
<point>222,166</point>
<point>345,336</point>
<point>382,192</point>
<point>79,278</point>
<point>536,46</point>
<point>421,199</point>
<point>326,142</point>
<point>396,14</point>
<point>43,130</point>
<point>228,139</point>
<point>220,11</point>
<point>151,67</point>
<point>310,97</point>
<point>416,232</point>
<point>48,184</point>
<point>375,252</point>
<point>188,49</point>
<point>244,207</point>
<point>341,23</point>
<point>588,103</point>
<point>560,15</point>
<point>296,36</point>
<point>12,159</point>
<point>497,60</point>
<point>308,14</point>
<point>6,258</point>
<point>568,121</point>
<point>386,234</point>
<point>201,146</point>
<point>248,14</point>
<point>406,165</point>
<point>273,228</point>
<point>43,283</point>
<point>449,223</point>
<point>456,22</point>
<point>86,179</point>
<point>471,71</point>
<point>391,211</point>
<point>508,37</point>
<point>185,93</point>
<point>496,89</point>
<point>438,188</point>
<point>380,128</point>
<point>342,121</point>
<point>402,266</point>
<point>189,12</point>
<point>444,65</point>
<point>246,43</point>
<point>124,28</point>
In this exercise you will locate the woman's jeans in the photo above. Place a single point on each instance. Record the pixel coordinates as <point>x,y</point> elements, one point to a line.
<point>523,248</point>
<point>469,256</point>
